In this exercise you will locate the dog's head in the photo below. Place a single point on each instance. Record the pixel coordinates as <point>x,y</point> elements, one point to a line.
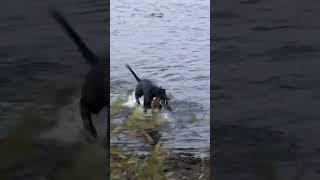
<point>161,93</point>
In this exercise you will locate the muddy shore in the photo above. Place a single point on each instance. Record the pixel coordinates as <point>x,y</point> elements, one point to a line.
<point>186,166</point>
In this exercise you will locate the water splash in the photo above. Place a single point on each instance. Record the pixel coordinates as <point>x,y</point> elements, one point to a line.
<point>131,102</point>
<point>169,118</point>
<point>164,116</point>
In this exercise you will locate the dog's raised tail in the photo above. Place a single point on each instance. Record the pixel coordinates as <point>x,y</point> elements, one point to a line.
<point>90,57</point>
<point>134,74</point>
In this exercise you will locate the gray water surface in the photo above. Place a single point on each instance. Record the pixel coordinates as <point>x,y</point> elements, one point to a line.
<point>41,74</point>
<point>173,50</point>
<point>266,94</point>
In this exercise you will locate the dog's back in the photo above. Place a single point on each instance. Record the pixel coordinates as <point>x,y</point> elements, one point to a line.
<point>94,89</point>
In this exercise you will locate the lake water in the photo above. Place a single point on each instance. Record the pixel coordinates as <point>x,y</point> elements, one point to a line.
<point>41,75</point>
<point>168,42</point>
<point>266,90</point>
<point>44,65</point>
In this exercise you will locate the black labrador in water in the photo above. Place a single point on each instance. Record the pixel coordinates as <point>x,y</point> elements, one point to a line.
<point>151,93</point>
<point>93,93</point>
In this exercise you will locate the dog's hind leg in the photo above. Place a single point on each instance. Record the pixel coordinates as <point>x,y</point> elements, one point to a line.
<point>138,93</point>
<point>137,99</point>
<point>86,117</point>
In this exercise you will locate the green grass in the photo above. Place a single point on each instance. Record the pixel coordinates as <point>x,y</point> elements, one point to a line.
<point>137,122</point>
<point>126,164</point>
<point>87,162</point>
<point>193,118</point>
<point>17,146</point>
<point>153,166</point>
<point>115,106</point>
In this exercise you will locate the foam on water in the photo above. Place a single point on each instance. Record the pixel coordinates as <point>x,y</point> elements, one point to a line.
<point>69,124</point>
<point>169,118</point>
<point>131,102</point>
<point>164,116</point>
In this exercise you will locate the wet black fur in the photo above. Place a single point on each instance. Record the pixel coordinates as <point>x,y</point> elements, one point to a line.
<point>93,92</point>
<point>148,90</point>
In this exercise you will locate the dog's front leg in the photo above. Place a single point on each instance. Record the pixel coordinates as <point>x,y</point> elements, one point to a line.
<point>139,93</point>
<point>147,102</point>
<point>137,100</point>
<point>86,117</point>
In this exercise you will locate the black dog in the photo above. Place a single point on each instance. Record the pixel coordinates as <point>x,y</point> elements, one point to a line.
<point>149,91</point>
<point>94,90</point>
